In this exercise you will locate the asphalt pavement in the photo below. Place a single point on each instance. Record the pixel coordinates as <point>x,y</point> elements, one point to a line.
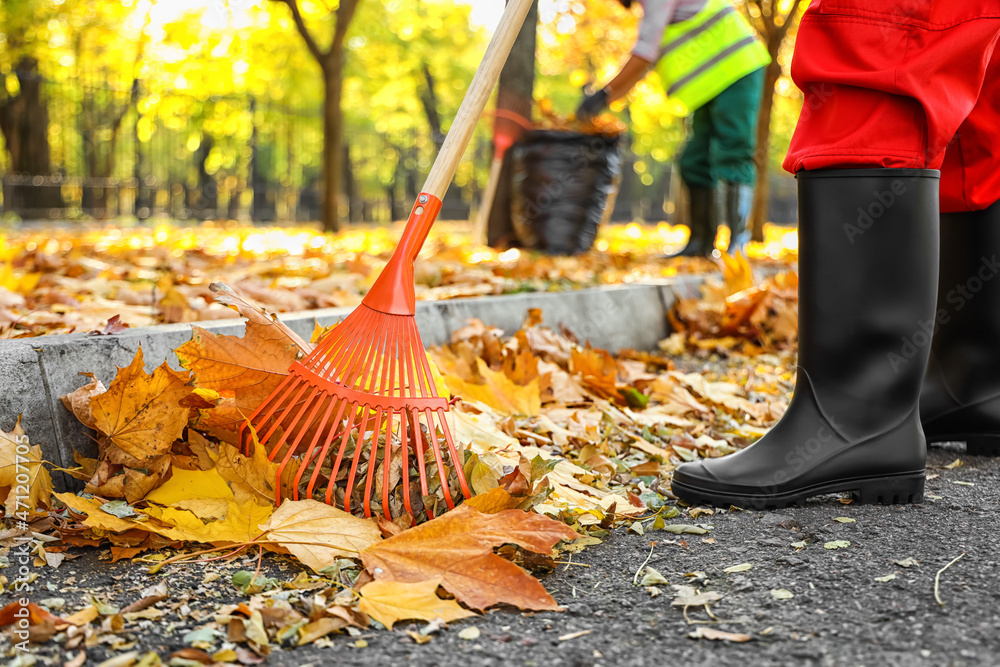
<point>846,607</point>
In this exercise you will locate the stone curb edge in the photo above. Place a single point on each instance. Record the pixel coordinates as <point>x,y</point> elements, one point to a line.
<point>36,372</point>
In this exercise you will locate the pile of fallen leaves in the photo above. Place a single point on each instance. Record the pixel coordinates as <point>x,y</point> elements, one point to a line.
<point>76,279</point>
<point>606,123</point>
<point>560,442</point>
<point>738,313</point>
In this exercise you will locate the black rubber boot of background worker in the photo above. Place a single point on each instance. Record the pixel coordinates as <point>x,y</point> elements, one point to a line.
<point>960,401</point>
<point>704,221</point>
<point>739,201</point>
<point>868,249</point>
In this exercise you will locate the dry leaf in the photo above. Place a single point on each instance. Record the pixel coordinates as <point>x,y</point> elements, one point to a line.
<point>493,501</point>
<point>78,402</point>
<point>18,458</point>
<point>705,632</point>
<point>243,370</point>
<point>141,413</point>
<point>317,534</point>
<point>391,601</point>
<point>458,548</point>
<point>498,391</point>
<point>256,313</point>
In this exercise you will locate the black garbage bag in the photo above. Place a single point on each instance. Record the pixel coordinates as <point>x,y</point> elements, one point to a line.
<point>563,182</point>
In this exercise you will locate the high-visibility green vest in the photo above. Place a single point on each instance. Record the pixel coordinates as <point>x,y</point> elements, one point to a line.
<point>701,57</point>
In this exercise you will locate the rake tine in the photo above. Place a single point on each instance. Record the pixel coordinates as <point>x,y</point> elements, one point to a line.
<point>453,452</point>
<point>353,411</point>
<point>347,361</point>
<point>331,342</point>
<point>383,339</point>
<point>404,451</point>
<point>418,437</point>
<point>353,357</point>
<point>274,400</point>
<point>278,422</point>
<point>357,458</point>
<point>301,432</point>
<point>436,451</point>
<point>332,434</point>
<point>392,362</point>
<point>387,465</point>
<point>331,349</point>
<point>322,425</point>
<point>372,458</point>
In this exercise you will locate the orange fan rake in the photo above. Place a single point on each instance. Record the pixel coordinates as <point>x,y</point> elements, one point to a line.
<point>368,382</point>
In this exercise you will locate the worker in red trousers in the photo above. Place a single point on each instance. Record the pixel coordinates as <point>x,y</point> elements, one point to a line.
<point>896,156</point>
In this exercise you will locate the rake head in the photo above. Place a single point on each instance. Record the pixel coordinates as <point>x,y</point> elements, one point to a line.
<point>361,413</point>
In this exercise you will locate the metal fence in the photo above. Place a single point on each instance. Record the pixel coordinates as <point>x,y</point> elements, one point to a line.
<point>128,153</point>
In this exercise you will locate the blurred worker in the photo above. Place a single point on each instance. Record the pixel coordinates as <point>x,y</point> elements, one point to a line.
<point>711,63</point>
<point>890,357</point>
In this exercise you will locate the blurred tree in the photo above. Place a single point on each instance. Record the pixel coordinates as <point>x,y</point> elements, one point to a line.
<point>774,21</point>
<point>24,114</point>
<point>331,63</point>
<point>106,58</point>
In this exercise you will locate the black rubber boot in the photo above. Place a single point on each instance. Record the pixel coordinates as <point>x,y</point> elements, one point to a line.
<point>739,200</point>
<point>704,223</point>
<point>868,243</point>
<point>960,400</point>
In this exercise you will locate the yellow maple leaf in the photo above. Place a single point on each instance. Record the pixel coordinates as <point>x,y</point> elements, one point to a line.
<point>498,392</point>
<point>241,523</point>
<point>188,484</point>
<point>391,601</point>
<point>24,481</point>
<point>317,534</point>
<point>253,477</point>
<point>142,413</point>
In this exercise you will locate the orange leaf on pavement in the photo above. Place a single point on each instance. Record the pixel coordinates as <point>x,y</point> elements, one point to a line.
<point>458,548</point>
<point>36,615</point>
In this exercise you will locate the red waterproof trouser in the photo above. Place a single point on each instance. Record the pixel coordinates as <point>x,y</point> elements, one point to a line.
<point>902,83</point>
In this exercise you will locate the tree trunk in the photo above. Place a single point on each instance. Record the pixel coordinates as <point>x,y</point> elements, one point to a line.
<point>428,98</point>
<point>762,190</point>
<point>24,121</point>
<point>515,94</point>
<point>354,213</point>
<point>332,139</point>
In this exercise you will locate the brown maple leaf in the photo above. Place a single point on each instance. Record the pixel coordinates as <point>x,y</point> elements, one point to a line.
<point>458,548</point>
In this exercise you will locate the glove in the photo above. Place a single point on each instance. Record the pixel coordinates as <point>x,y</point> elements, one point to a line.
<point>592,105</point>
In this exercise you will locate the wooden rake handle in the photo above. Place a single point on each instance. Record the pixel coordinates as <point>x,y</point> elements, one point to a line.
<point>475,100</point>
<point>392,292</point>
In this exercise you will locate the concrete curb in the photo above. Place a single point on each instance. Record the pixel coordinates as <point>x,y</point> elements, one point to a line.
<point>36,372</point>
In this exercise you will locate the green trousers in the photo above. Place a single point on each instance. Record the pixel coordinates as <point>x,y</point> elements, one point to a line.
<point>723,136</point>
